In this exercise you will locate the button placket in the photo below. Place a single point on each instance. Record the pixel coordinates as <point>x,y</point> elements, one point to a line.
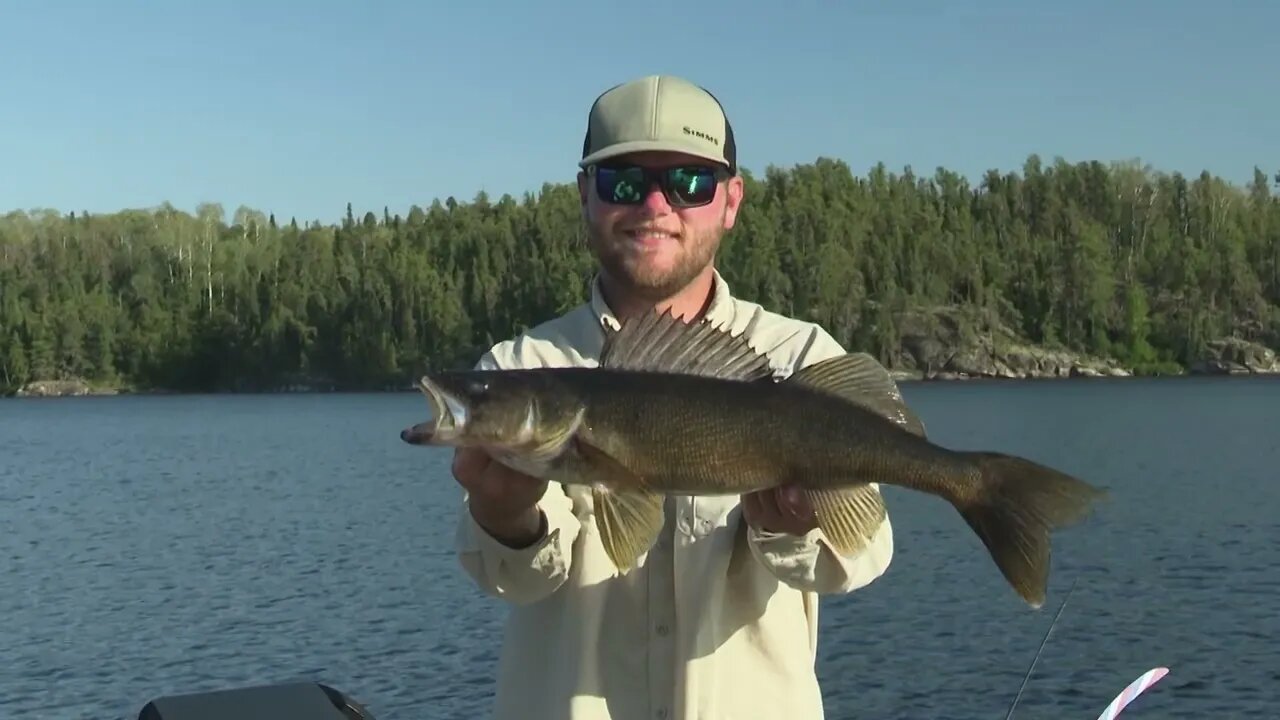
<point>661,613</point>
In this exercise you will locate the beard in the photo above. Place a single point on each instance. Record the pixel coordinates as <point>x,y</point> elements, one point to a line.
<point>639,272</point>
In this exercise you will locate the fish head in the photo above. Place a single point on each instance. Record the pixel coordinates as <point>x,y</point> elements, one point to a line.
<point>510,410</point>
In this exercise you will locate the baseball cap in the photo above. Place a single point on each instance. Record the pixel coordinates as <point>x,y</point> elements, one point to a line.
<point>658,112</point>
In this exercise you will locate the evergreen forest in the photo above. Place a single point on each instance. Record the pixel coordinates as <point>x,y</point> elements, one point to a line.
<point>1108,260</point>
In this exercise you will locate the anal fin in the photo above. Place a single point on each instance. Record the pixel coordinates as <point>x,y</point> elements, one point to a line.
<point>629,522</point>
<point>848,516</point>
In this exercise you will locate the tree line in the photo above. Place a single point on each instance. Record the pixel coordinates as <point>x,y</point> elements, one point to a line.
<point>1116,260</point>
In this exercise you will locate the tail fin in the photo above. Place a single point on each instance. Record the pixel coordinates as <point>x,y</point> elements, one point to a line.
<point>1020,503</point>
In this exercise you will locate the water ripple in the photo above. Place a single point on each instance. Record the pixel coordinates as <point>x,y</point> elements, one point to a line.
<point>164,545</point>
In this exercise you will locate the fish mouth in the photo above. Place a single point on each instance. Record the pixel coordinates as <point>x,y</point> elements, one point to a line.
<point>448,417</point>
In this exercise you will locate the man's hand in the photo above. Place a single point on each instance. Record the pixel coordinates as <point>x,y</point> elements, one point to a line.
<point>502,501</point>
<point>780,510</point>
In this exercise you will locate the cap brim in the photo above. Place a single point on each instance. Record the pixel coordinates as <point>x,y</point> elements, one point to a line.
<point>635,146</point>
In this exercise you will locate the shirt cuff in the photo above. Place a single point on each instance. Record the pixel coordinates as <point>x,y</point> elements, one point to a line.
<point>541,555</point>
<point>785,549</point>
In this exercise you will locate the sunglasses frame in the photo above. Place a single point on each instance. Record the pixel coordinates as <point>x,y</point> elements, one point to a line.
<point>661,176</point>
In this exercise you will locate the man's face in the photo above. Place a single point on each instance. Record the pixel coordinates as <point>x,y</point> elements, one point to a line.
<point>651,247</point>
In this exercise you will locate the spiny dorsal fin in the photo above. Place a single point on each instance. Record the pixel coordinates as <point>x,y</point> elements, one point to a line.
<point>661,342</point>
<point>858,378</point>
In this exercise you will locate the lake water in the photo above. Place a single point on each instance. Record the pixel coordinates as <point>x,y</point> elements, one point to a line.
<point>163,545</point>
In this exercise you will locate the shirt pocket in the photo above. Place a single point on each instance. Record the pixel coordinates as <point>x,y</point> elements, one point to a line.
<point>703,516</point>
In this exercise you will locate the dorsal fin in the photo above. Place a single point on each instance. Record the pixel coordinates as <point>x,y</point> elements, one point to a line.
<point>661,342</point>
<point>858,378</point>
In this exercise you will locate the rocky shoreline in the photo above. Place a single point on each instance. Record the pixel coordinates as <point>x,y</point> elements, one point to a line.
<point>939,345</point>
<point>951,344</point>
<point>64,388</point>
<point>1020,363</point>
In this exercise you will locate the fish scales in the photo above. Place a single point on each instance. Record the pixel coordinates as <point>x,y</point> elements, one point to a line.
<point>688,408</point>
<point>698,436</point>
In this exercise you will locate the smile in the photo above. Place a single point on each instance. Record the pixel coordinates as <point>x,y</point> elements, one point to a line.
<point>651,237</point>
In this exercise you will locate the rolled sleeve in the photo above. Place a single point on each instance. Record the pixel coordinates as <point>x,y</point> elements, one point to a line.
<point>810,564</point>
<point>520,575</point>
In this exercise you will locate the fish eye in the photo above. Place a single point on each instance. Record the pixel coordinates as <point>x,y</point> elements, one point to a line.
<point>477,387</point>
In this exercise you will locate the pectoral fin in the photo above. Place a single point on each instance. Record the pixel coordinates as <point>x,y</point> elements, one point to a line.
<point>848,516</point>
<point>628,515</point>
<point>629,522</point>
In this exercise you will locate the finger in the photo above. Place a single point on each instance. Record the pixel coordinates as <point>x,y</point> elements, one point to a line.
<point>795,504</point>
<point>469,464</point>
<point>751,510</point>
<point>772,508</point>
<point>500,474</point>
<point>767,516</point>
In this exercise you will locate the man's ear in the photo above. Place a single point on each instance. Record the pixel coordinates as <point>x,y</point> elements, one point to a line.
<point>734,189</point>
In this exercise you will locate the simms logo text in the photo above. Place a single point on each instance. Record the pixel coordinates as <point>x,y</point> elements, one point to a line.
<point>698,133</point>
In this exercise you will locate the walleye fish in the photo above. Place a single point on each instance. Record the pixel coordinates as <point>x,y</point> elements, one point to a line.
<point>679,408</point>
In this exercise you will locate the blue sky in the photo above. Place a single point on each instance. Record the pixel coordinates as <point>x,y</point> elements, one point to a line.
<point>299,109</point>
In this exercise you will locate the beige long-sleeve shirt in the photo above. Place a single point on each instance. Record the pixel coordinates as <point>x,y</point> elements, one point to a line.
<point>718,622</point>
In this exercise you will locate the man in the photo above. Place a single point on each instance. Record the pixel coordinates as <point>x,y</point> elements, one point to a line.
<point>720,618</point>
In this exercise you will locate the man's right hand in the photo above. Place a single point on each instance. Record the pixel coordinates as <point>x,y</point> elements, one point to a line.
<point>502,501</point>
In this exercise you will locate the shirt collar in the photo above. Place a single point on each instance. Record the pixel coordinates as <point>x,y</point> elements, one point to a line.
<point>719,312</point>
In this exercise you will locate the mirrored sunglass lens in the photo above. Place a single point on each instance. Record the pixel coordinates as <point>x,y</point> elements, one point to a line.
<point>683,186</point>
<point>692,185</point>
<point>621,186</point>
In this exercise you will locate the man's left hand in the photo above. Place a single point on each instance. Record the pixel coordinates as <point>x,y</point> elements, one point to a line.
<point>780,510</point>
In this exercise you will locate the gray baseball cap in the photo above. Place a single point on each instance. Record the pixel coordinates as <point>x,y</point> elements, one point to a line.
<point>658,112</point>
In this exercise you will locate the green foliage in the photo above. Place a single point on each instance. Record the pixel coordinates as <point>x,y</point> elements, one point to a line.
<point>1111,260</point>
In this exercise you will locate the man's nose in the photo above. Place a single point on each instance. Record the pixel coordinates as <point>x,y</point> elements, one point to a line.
<point>655,200</point>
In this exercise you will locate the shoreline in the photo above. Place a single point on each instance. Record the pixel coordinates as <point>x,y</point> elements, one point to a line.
<point>52,389</point>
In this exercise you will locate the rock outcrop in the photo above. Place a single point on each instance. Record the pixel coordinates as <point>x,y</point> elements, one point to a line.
<point>952,344</point>
<point>61,388</point>
<point>1233,356</point>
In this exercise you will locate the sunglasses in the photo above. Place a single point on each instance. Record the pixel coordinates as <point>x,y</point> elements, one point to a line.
<point>684,186</point>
